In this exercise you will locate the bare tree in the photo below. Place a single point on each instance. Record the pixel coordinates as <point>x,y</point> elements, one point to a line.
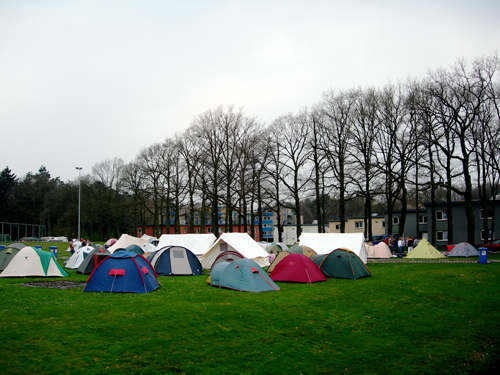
<point>364,134</point>
<point>337,125</point>
<point>291,153</point>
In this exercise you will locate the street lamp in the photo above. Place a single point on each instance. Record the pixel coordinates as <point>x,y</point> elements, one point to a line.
<point>79,195</point>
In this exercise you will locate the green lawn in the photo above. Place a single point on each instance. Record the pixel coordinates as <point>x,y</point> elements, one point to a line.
<point>406,319</point>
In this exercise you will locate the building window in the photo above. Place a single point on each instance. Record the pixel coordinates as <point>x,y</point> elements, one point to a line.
<point>337,226</point>
<point>358,224</point>
<point>395,220</point>
<point>383,224</point>
<point>422,219</point>
<point>185,230</point>
<point>441,215</point>
<point>198,230</point>
<point>442,235</point>
<point>209,230</point>
<point>139,230</point>
<point>489,214</point>
<point>483,237</point>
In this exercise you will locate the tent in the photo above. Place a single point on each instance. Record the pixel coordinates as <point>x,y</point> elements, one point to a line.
<point>324,243</point>
<point>95,257</point>
<point>226,256</point>
<point>151,240</point>
<point>122,272</point>
<point>239,242</point>
<point>8,252</point>
<point>135,249</point>
<point>199,244</point>
<point>463,249</point>
<point>110,242</point>
<point>424,250</point>
<point>78,257</point>
<point>379,251</point>
<point>297,268</point>
<point>244,275</point>
<point>277,260</point>
<point>33,262</point>
<point>341,264</point>
<point>304,250</point>
<point>126,240</point>
<point>275,248</point>
<point>175,260</point>
<point>148,248</point>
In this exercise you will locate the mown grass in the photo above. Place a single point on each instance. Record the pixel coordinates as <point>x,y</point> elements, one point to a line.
<point>406,319</point>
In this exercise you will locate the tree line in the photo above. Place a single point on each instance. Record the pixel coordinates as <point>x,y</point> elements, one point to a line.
<point>356,150</point>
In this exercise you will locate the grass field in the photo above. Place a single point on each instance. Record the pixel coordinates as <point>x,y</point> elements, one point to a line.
<point>406,319</point>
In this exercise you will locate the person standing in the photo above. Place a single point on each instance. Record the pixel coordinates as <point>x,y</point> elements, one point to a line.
<point>410,244</point>
<point>401,244</point>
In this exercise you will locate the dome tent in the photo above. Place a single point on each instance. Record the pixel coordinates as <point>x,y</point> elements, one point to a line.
<point>33,262</point>
<point>8,252</point>
<point>463,249</point>
<point>226,256</point>
<point>341,264</point>
<point>135,249</point>
<point>244,275</point>
<point>378,251</point>
<point>91,261</point>
<point>78,257</point>
<point>304,250</point>
<point>122,272</point>
<point>297,268</point>
<point>175,261</point>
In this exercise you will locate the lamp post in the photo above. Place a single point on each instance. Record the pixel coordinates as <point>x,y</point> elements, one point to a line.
<point>79,195</point>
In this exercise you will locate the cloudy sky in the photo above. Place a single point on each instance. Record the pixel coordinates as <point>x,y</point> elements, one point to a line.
<point>82,81</point>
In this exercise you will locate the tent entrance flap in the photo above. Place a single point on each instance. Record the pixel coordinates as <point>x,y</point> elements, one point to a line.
<point>180,262</point>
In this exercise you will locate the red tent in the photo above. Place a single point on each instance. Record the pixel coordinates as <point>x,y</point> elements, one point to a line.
<point>297,268</point>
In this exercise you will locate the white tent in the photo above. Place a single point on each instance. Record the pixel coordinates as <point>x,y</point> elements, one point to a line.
<point>198,244</point>
<point>33,262</point>
<point>151,239</point>
<point>325,243</point>
<point>378,251</point>
<point>126,240</point>
<point>463,249</point>
<point>239,242</point>
<point>78,256</point>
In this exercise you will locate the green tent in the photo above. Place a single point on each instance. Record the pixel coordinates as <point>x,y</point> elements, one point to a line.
<point>135,249</point>
<point>7,253</point>
<point>244,275</point>
<point>424,250</point>
<point>341,264</point>
<point>33,262</point>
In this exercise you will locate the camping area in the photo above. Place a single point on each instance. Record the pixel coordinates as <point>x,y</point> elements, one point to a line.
<point>409,318</point>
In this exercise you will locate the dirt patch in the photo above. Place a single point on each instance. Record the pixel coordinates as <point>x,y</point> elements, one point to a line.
<point>54,284</point>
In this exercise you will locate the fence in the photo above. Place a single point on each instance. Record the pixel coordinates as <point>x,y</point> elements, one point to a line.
<point>13,232</point>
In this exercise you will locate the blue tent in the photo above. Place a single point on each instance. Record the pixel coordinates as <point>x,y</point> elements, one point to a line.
<point>122,272</point>
<point>244,275</point>
<point>175,260</point>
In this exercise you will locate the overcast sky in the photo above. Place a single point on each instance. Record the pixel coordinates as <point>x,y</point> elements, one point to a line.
<point>84,81</point>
